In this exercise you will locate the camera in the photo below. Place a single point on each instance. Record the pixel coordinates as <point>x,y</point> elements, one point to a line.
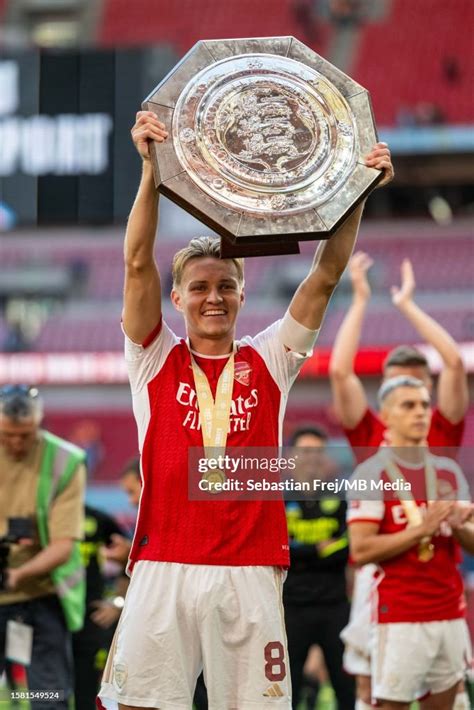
<point>18,528</point>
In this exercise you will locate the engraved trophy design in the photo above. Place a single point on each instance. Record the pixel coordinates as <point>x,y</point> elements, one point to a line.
<point>267,142</point>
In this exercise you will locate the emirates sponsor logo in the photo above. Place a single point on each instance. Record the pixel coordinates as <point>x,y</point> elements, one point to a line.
<point>240,408</point>
<point>242,372</point>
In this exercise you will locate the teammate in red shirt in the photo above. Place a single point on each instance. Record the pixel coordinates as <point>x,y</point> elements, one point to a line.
<point>206,576</point>
<point>366,431</point>
<point>361,425</point>
<point>421,640</point>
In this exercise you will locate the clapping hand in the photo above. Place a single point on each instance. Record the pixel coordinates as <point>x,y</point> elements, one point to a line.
<point>358,268</point>
<point>401,295</point>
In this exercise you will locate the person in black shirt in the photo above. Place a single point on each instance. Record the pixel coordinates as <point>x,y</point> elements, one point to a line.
<point>118,549</point>
<point>90,645</point>
<point>314,594</point>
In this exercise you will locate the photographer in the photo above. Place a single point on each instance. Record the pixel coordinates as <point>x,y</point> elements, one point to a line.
<point>41,517</point>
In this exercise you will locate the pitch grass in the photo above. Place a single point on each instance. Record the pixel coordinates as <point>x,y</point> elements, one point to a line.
<point>327,701</point>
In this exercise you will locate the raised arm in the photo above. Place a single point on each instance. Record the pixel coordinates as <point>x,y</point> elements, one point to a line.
<point>142,289</point>
<point>312,296</point>
<point>350,401</point>
<point>452,393</point>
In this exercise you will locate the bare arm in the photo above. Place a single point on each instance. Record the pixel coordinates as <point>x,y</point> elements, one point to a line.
<point>367,545</point>
<point>465,536</point>
<point>142,290</point>
<point>452,394</point>
<point>462,526</point>
<point>118,549</point>
<point>312,296</point>
<point>350,401</point>
<point>52,556</point>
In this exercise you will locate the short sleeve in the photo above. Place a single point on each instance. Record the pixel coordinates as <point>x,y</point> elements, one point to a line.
<point>284,365</point>
<point>66,514</point>
<point>368,432</point>
<point>365,511</point>
<point>146,360</point>
<point>443,432</point>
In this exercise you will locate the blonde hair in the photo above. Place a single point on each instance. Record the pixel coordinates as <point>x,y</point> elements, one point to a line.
<point>200,247</point>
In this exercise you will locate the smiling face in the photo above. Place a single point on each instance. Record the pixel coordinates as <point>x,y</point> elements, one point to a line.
<point>210,297</point>
<point>406,412</point>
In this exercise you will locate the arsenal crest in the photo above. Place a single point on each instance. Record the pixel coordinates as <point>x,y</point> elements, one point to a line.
<point>242,372</point>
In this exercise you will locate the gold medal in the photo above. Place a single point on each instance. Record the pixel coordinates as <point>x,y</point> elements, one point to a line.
<point>213,477</point>
<point>409,505</point>
<point>214,416</point>
<point>425,551</point>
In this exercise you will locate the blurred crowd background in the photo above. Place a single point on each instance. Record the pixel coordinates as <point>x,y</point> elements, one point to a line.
<point>72,75</point>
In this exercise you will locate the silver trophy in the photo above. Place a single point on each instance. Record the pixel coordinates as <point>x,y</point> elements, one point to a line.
<point>267,142</point>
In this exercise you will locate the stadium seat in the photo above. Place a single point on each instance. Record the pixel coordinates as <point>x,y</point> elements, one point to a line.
<point>434,37</point>
<point>184,23</point>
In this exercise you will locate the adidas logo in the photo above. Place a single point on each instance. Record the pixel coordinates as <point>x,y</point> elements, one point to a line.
<point>274,691</point>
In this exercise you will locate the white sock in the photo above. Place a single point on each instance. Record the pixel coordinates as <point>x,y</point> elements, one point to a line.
<point>461,701</point>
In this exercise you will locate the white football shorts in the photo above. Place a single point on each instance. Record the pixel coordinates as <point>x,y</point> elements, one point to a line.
<point>179,619</point>
<point>357,634</point>
<point>410,660</point>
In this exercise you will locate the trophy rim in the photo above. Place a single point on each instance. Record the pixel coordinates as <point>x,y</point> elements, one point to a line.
<point>232,222</point>
<point>277,195</point>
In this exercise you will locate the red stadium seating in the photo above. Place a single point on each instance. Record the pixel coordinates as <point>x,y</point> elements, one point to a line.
<point>90,319</point>
<point>181,24</point>
<point>434,37</point>
<point>385,327</point>
<point>60,334</point>
<point>422,52</point>
<point>435,267</point>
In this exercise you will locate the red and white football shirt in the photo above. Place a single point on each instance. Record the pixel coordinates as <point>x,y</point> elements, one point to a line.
<point>369,433</point>
<point>410,590</point>
<point>170,527</point>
